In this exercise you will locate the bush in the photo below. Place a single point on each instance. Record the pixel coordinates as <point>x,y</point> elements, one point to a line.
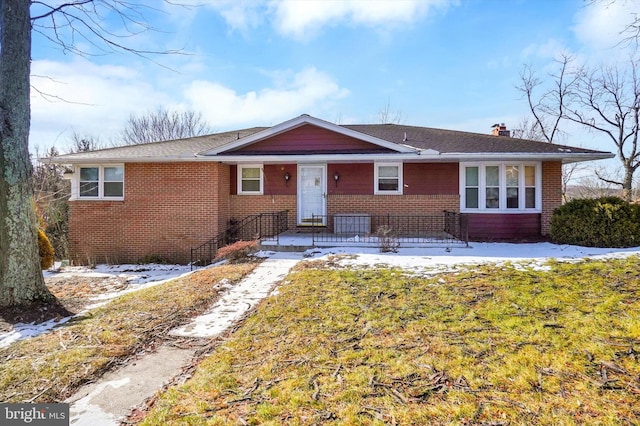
<point>46,250</point>
<point>238,251</point>
<point>600,222</point>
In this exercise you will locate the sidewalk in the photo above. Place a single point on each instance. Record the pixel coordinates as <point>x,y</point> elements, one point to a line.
<point>111,398</point>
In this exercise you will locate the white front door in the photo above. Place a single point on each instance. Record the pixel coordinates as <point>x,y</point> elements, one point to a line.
<point>312,194</point>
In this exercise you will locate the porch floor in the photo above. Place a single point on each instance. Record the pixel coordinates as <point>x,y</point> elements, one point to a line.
<point>296,240</point>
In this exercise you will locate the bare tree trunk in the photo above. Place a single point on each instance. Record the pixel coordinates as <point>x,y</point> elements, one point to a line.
<point>21,280</point>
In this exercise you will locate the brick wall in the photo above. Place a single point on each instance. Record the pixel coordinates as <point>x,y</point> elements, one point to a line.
<point>168,208</point>
<point>392,204</point>
<point>246,205</point>
<point>551,192</point>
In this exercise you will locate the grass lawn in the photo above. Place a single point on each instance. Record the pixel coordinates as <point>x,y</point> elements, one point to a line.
<point>50,367</point>
<point>493,345</point>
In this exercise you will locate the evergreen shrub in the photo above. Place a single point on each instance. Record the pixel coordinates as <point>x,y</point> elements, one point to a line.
<point>46,250</point>
<point>598,222</point>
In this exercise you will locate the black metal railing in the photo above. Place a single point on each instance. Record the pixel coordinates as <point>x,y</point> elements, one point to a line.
<point>447,228</point>
<point>264,226</point>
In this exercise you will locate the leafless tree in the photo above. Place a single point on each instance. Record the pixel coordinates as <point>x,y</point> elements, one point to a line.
<point>52,192</point>
<point>68,25</point>
<point>386,116</point>
<point>163,125</point>
<point>83,143</point>
<point>606,100</point>
<point>548,104</point>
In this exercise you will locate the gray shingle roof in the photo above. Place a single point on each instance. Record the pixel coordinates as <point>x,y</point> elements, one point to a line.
<point>422,138</point>
<point>176,149</point>
<point>453,141</point>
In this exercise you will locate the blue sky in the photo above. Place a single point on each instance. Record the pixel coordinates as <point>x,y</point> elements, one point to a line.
<point>438,63</point>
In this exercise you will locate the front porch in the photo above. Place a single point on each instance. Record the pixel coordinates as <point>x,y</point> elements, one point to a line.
<point>388,232</point>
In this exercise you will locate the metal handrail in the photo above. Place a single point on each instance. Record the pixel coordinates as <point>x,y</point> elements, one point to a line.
<point>261,226</point>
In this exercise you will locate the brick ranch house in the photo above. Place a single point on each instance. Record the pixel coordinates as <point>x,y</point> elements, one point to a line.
<point>161,199</point>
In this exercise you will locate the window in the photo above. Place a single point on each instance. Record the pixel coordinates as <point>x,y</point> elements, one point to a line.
<point>113,185</point>
<point>101,182</point>
<point>472,187</point>
<point>492,187</point>
<point>89,181</point>
<point>388,178</point>
<point>512,186</point>
<point>500,187</point>
<point>250,179</point>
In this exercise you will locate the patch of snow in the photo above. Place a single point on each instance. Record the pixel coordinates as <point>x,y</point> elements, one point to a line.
<point>240,298</point>
<point>87,413</point>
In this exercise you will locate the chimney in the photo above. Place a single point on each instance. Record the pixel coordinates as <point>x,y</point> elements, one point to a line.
<point>500,130</point>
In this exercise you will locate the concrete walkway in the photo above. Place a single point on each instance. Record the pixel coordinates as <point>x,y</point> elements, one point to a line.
<point>114,395</point>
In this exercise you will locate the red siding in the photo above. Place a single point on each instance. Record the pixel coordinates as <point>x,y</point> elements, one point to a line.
<point>496,226</point>
<point>310,138</point>
<point>431,178</point>
<point>274,182</point>
<point>355,179</point>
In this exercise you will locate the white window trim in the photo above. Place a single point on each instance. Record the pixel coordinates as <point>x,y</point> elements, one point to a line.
<point>75,187</point>
<point>376,167</point>
<point>239,179</point>
<point>503,187</point>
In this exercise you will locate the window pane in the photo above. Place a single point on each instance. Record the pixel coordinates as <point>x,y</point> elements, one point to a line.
<point>114,174</point>
<point>493,175</point>
<point>89,173</point>
<point>512,198</point>
<point>530,198</point>
<point>471,176</point>
<point>250,186</point>
<point>252,172</point>
<point>512,175</point>
<point>388,171</point>
<point>88,189</point>
<point>113,189</point>
<point>493,198</point>
<point>471,198</point>
<point>529,175</point>
<point>387,184</point>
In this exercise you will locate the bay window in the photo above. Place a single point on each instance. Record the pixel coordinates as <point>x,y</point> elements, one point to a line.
<point>500,186</point>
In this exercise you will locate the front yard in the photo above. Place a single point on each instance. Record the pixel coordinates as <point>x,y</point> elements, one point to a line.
<point>488,345</point>
<point>340,344</point>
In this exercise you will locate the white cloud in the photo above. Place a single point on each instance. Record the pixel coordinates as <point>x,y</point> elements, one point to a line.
<point>84,97</point>
<point>599,24</point>
<point>96,100</point>
<point>299,19</point>
<point>308,91</point>
<point>549,49</point>
<point>302,19</point>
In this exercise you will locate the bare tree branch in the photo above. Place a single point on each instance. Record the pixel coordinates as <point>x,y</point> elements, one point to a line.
<point>162,125</point>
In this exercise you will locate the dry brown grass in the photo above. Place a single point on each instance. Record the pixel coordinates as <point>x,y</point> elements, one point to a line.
<point>51,366</point>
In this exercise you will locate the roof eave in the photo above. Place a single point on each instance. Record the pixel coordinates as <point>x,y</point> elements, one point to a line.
<point>565,157</point>
<point>344,158</point>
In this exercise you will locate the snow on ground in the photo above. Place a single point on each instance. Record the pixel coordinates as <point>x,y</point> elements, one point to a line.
<point>137,276</point>
<point>433,260</point>
<point>241,297</point>
<point>247,293</point>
